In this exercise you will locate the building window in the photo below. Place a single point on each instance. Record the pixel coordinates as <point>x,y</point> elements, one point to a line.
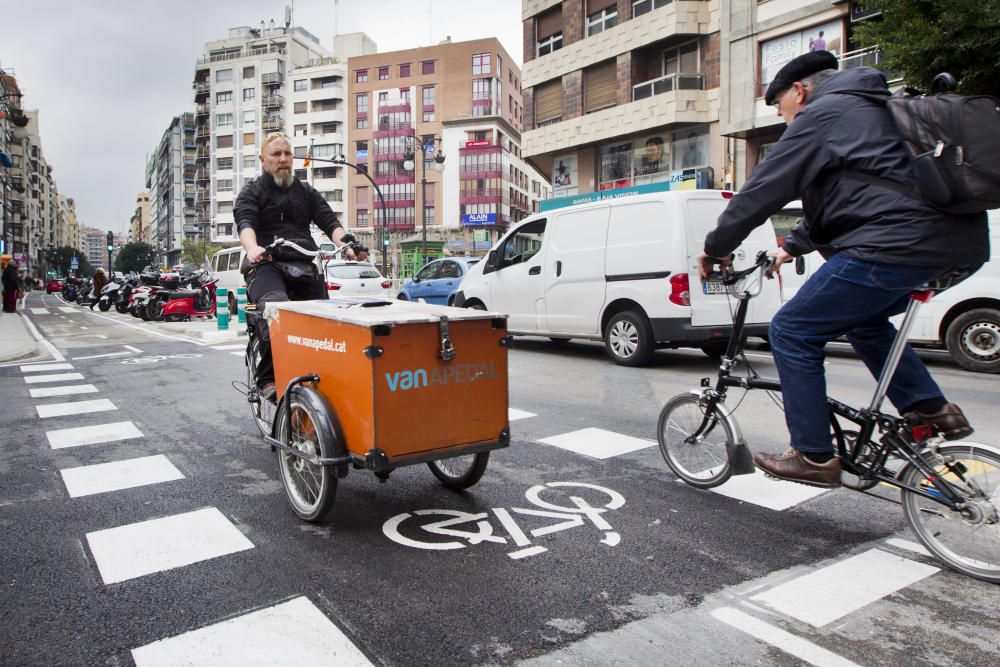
<point>362,218</point>
<point>249,94</point>
<point>300,131</point>
<point>550,44</point>
<point>427,96</point>
<point>249,164</point>
<point>383,73</point>
<point>224,185</point>
<point>383,97</point>
<point>223,75</point>
<point>362,124</point>
<point>427,67</point>
<point>404,70</point>
<point>615,170</point>
<point>361,103</point>
<point>300,85</point>
<point>223,164</point>
<point>250,139</point>
<point>224,230</point>
<point>361,76</point>
<point>480,64</point>
<point>249,118</point>
<point>248,72</point>
<point>224,97</point>
<point>300,107</point>
<point>602,20</point>
<point>428,116</point>
<point>223,120</point>
<point>642,6</point>
<point>224,207</point>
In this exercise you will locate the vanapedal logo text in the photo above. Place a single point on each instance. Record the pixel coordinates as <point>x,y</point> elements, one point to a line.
<point>416,379</point>
<point>326,344</point>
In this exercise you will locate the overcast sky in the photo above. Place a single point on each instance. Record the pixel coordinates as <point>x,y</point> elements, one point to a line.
<point>107,76</point>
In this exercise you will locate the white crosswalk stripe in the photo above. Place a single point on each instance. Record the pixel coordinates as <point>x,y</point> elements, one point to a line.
<point>74,408</point>
<point>761,490</point>
<point>238,346</point>
<point>45,367</point>
<point>514,415</point>
<point>118,475</point>
<point>55,377</point>
<point>92,435</point>
<point>63,390</point>
<point>597,443</point>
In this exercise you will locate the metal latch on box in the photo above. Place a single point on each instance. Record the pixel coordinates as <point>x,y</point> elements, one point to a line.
<point>447,352</point>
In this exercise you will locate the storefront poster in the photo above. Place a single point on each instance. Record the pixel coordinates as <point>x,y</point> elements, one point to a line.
<point>616,166</point>
<point>565,177</point>
<point>690,148</point>
<point>775,53</point>
<point>652,158</point>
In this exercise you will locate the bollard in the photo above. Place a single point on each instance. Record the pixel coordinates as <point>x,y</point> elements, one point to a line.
<point>222,307</point>
<point>241,304</point>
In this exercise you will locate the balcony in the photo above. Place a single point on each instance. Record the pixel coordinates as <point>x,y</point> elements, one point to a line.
<point>666,84</point>
<point>203,132</point>
<point>868,57</point>
<point>273,124</point>
<point>201,90</point>
<point>202,109</point>
<point>272,101</point>
<point>272,78</point>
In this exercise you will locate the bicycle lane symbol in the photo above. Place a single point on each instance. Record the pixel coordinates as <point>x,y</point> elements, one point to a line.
<point>482,530</point>
<point>152,359</point>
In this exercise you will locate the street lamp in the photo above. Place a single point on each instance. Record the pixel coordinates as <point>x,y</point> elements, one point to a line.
<point>341,160</point>
<point>409,163</point>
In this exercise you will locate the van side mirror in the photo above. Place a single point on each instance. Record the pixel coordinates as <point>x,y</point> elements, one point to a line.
<point>800,265</point>
<point>492,262</point>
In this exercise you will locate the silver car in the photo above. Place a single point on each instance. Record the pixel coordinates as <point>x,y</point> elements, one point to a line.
<point>345,278</point>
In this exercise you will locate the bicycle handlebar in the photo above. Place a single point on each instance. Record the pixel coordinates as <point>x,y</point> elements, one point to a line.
<point>762,262</point>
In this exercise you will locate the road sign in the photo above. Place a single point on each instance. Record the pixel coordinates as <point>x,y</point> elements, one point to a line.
<point>74,263</point>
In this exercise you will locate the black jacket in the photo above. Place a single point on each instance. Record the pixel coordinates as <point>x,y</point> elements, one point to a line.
<point>274,212</point>
<point>831,133</point>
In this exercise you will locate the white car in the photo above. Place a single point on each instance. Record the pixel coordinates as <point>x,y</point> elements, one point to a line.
<point>346,278</point>
<point>965,320</point>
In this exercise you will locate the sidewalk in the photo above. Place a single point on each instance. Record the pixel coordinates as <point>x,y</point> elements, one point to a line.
<point>16,341</point>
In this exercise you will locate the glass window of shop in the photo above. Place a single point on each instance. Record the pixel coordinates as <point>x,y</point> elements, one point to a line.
<point>652,158</point>
<point>690,148</point>
<point>615,166</point>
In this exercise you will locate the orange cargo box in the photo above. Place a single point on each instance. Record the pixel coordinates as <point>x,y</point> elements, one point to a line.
<point>406,379</point>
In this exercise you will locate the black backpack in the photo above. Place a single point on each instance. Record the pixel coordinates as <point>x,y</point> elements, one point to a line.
<point>954,144</point>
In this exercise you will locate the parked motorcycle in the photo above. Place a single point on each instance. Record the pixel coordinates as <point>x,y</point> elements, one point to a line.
<point>150,281</point>
<point>196,302</point>
<point>155,297</point>
<point>83,293</point>
<point>109,295</point>
<point>70,289</point>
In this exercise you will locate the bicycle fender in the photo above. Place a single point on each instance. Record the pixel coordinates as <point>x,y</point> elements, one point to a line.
<point>740,459</point>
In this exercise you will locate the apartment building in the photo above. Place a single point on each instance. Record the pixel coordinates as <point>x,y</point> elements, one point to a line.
<point>439,130</point>
<point>138,228</point>
<point>15,226</point>
<point>622,94</point>
<point>240,96</point>
<point>171,181</point>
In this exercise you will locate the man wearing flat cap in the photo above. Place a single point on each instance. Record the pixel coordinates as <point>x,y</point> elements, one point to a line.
<point>879,245</point>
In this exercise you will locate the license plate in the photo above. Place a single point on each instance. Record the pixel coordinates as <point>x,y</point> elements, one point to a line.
<point>713,287</point>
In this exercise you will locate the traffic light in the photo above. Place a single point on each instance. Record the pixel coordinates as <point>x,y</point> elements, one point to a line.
<point>111,241</point>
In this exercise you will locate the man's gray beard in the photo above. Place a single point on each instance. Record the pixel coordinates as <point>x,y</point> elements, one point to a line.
<point>283,180</point>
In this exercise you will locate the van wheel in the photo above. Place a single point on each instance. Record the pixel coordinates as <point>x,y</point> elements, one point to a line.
<point>628,339</point>
<point>973,340</point>
<point>475,305</point>
<point>715,349</point>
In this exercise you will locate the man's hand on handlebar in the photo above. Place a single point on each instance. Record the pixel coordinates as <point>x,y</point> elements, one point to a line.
<point>779,257</point>
<point>256,254</point>
<point>706,263</point>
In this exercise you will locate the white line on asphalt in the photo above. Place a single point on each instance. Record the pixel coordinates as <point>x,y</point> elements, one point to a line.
<point>598,443</point>
<point>75,408</point>
<point>773,494</point>
<point>290,633</point>
<point>64,390</point>
<point>91,336</point>
<point>148,330</point>
<point>138,549</point>
<point>907,545</point>
<point>780,639</point>
<point>46,367</point>
<point>68,309</point>
<point>514,415</point>
<point>836,590</point>
<point>238,354</point>
<point>56,355</point>
<point>239,346</point>
<point>39,311</point>
<point>55,377</point>
<point>118,475</point>
<point>100,356</point>
<point>92,435</point>
<point>134,349</point>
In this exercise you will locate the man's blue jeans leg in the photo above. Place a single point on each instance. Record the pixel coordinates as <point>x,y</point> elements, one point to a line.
<point>853,297</point>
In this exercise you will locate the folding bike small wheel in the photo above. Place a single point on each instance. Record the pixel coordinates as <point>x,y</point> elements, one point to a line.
<point>701,460</point>
<point>460,472</point>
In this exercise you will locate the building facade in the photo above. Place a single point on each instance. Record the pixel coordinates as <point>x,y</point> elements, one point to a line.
<point>438,129</point>
<point>138,229</point>
<point>240,96</point>
<point>171,181</point>
<point>95,245</point>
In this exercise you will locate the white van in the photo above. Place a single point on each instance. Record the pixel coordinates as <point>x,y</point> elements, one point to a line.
<point>965,320</point>
<point>618,270</point>
<point>226,267</point>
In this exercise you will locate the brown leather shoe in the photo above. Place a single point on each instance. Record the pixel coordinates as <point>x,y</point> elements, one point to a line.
<point>792,466</point>
<point>949,422</point>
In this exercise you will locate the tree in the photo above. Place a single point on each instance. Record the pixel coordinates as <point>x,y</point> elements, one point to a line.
<point>922,38</point>
<point>60,260</point>
<point>135,257</point>
<point>198,252</point>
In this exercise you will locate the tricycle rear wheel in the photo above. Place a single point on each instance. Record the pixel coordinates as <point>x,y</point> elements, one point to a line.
<point>460,472</point>
<point>310,487</point>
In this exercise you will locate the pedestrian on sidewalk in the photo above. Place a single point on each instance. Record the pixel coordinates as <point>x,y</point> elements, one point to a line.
<point>10,287</point>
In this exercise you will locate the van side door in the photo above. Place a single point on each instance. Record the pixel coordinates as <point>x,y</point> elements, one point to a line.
<point>574,270</point>
<point>517,287</point>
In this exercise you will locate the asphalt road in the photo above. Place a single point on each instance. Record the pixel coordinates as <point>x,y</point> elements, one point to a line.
<point>204,562</point>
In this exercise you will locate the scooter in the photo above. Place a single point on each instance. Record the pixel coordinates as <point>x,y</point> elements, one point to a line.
<point>109,296</point>
<point>151,302</point>
<point>83,294</point>
<point>198,302</point>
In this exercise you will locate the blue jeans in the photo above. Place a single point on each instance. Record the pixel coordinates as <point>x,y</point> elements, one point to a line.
<point>856,298</point>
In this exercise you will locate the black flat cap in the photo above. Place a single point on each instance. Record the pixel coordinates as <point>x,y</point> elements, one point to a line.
<point>797,69</point>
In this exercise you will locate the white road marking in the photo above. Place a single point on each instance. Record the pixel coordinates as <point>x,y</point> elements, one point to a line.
<point>46,367</point>
<point>134,349</point>
<point>138,549</point>
<point>514,415</point>
<point>56,355</point>
<point>836,590</point>
<point>240,346</point>
<point>39,311</point>
<point>118,475</point>
<point>75,408</point>
<point>598,443</point>
<point>238,354</point>
<point>100,356</point>
<point>64,390</point>
<point>761,490</point>
<point>92,435</point>
<point>290,633</point>
<point>57,377</point>
<point>780,639</point>
<point>68,309</point>
<point>148,330</point>
<point>907,545</point>
<point>91,336</point>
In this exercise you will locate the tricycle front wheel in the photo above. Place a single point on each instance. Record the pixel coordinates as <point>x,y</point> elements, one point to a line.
<point>310,487</point>
<point>460,472</point>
